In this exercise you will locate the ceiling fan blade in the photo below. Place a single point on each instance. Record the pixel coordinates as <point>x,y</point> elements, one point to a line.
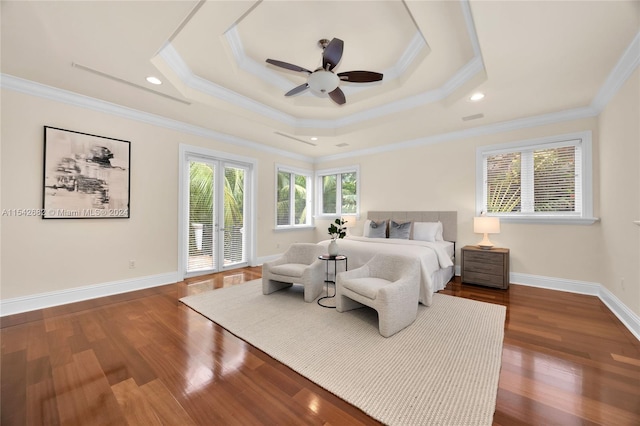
<point>332,54</point>
<point>297,89</point>
<point>338,96</point>
<point>287,66</point>
<point>360,76</point>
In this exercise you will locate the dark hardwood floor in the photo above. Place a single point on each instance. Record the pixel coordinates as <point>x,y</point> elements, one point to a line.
<point>143,358</point>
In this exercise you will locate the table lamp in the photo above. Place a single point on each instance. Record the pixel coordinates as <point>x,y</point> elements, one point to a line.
<point>350,222</point>
<point>486,225</point>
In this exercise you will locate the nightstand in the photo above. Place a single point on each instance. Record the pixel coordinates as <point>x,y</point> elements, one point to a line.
<point>485,267</point>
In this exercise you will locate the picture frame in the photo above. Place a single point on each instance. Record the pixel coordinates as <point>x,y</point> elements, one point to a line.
<point>85,176</point>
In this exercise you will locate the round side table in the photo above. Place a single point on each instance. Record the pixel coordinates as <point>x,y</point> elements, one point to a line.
<point>328,258</point>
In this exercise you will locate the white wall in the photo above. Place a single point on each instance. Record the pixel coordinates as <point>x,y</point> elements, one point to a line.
<point>40,256</point>
<point>619,154</point>
<point>442,177</point>
<point>54,255</point>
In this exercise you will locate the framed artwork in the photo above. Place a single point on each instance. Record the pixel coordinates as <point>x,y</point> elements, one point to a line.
<point>85,176</point>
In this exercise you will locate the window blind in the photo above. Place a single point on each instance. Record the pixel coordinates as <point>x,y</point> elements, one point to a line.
<point>201,213</point>
<point>292,198</point>
<point>503,187</point>
<point>329,188</point>
<point>300,199</point>
<point>349,193</point>
<point>283,199</point>
<point>234,215</point>
<point>543,179</point>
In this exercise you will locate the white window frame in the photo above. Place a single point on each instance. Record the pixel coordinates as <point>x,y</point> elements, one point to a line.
<point>310,196</point>
<point>319,200</point>
<point>585,217</point>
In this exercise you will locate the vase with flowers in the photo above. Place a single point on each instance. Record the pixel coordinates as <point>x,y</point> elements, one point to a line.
<point>337,230</point>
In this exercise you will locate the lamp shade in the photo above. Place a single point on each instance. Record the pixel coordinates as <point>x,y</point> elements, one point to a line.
<point>486,225</point>
<point>350,221</point>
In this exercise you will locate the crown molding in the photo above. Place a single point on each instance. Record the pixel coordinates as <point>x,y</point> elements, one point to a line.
<point>409,55</point>
<point>59,95</point>
<point>417,44</point>
<point>251,66</point>
<point>173,59</point>
<point>505,126</point>
<point>258,69</point>
<point>623,69</point>
<point>475,66</point>
<point>626,65</point>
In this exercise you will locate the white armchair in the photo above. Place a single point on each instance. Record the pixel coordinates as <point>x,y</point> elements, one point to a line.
<point>390,284</point>
<point>298,265</point>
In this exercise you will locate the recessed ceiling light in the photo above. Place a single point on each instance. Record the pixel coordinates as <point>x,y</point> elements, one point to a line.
<point>154,80</point>
<point>313,138</point>
<point>476,96</point>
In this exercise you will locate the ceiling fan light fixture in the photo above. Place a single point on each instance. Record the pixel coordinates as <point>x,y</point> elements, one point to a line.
<point>323,82</point>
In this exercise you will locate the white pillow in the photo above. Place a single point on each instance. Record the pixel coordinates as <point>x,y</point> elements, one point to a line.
<point>427,231</point>
<point>439,236</point>
<point>365,229</point>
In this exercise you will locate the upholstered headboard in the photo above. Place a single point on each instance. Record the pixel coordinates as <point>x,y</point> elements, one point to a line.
<point>449,220</point>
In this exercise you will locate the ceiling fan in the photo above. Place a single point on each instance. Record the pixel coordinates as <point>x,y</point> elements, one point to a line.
<point>323,80</point>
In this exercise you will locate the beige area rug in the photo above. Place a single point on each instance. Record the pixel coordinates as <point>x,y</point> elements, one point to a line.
<point>441,370</point>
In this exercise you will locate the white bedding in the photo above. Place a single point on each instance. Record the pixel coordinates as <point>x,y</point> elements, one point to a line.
<point>433,256</point>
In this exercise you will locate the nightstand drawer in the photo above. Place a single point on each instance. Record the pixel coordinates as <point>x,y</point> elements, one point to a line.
<point>485,268</point>
<point>484,279</point>
<point>485,257</point>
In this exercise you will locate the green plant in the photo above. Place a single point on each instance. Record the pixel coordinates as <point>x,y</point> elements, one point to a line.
<point>338,229</point>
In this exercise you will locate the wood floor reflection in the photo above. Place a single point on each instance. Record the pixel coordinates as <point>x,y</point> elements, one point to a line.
<point>144,358</point>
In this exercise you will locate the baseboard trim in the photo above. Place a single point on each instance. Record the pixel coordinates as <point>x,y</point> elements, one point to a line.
<point>19,305</point>
<point>628,318</point>
<point>22,304</point>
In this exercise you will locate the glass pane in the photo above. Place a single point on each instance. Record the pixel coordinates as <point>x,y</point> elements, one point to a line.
<point>233,215</point>
<point>284,198</point>
<point>201,213</point>
<point>503,183</point>
<point>300,192</point>
<point>329,194</point>
<point>555,180</point>
<point>349,196</point>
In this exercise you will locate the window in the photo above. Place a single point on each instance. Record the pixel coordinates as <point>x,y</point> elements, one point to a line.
<point>545,180</point>
<point>293,197</point>
<point>338,192</point>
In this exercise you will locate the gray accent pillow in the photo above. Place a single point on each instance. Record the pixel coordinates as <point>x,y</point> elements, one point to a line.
<point>399,230</point>
<point>377,229</point>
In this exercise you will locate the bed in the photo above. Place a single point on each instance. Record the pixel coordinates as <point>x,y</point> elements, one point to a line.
<point>436,255</point>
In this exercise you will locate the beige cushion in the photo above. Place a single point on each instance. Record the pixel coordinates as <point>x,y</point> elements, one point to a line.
<point>367,287</point>
<point>298,265</point>
<point>390,284</point>
<point>290,269</point>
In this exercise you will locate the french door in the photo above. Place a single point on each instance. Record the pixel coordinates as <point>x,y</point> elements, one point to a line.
<point>216,223</point>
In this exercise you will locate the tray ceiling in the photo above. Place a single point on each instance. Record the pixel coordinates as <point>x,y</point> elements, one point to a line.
<point>530,58</point>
